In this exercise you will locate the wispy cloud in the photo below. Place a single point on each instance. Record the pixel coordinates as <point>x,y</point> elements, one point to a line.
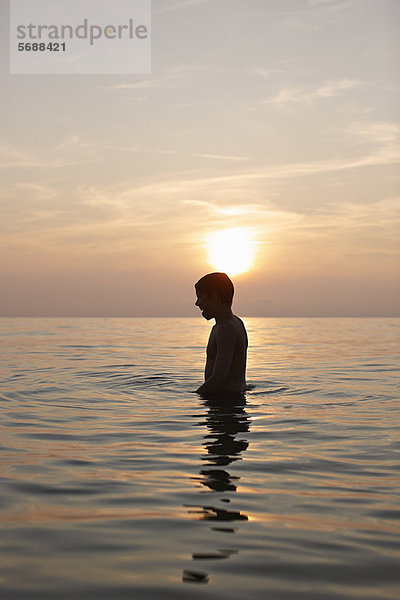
<point>225,194</point>
<point>72,141</point>
<point>383,156</point>
<point>227,157</point>
<point>220,196</point>
<point>369,229</point>
<point>328,3</point>
<point>322,13</point>
<point>144,84</point>
<point>12,157</point>
<point>332,6</point>
<point>328,89</point>
<point>181,5</point>
<point>381,138</point>
<point>229,210</point>
<point>381,133</point>
<point>266,73</point>
<point>168,78</point>
<point>37,191</point>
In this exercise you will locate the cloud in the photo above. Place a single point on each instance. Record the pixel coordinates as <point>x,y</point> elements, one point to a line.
<point>381,138</point>
<point>328,3</point>
<point>204,155</point>
<point>325,11</point>
<point>224,194</point>
<point>169,78</point>
<point>266,73</point>
<point>328,89</point>
<point>75,143</point>
<point>37,191</point>
<point>182,4</point>
<point>367,230</point>
<point>138,85</point>
<point>283,171</point>
<point>229,209</point>
<point>382,133</point>
<point>12,157</point>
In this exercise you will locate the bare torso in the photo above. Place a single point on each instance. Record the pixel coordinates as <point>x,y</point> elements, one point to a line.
<point>234,330</point>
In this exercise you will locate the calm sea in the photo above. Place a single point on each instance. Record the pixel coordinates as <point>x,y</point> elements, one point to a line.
<point>117,481</point>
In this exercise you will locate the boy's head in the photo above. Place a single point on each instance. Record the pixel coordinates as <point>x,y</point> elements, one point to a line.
<point>214,288</point>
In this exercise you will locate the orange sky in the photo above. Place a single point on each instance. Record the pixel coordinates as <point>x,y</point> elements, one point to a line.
<point>279,117</point>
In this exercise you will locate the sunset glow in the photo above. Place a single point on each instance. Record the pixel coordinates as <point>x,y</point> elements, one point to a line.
<point>231,250</point>
<point>264,142</point>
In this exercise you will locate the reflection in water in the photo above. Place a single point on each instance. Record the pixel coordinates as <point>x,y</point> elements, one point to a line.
<point>211,513</point>
<point>225,419</point>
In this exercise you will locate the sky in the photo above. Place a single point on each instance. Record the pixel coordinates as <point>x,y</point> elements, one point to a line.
<point>278,119</point>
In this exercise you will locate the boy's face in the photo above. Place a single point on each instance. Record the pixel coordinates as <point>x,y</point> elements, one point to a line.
<point>206,304</point>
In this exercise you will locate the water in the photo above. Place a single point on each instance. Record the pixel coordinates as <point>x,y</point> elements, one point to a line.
<point>118,482</point>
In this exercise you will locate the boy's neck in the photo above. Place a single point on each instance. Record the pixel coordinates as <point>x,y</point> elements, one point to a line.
<point>223,313</point>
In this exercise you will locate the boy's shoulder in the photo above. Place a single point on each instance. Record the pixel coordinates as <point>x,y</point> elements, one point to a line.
<point>230,326</point>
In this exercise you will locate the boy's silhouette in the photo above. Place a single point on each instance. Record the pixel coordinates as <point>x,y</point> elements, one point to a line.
<point>227,345</point>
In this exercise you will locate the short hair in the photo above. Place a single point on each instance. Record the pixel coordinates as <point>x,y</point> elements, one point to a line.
<point>219,284</point>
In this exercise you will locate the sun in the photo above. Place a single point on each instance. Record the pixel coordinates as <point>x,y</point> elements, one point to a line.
<point>231,250</point>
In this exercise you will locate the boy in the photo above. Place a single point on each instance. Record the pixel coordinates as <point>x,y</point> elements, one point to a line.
<point>227,346</point>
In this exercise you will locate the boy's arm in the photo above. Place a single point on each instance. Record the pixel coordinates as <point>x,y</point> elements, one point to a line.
<point>225,340</point>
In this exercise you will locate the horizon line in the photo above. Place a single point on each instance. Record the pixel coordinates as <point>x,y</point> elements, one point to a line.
<point>197,316</point>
